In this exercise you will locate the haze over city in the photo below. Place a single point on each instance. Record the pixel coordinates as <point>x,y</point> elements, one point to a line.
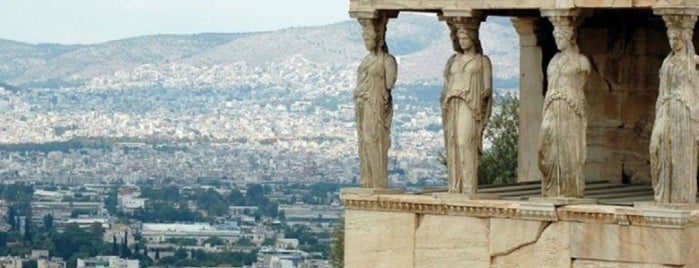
<point>153,133</point>
<point>89,22</point>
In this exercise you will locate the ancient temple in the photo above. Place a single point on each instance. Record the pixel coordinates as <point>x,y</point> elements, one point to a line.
<point>609,127</point>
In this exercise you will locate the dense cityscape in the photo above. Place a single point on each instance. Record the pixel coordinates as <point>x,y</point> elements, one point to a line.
<point>227,156</point>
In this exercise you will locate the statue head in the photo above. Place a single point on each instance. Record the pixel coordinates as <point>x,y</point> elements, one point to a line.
<point>374,33</point>
<point>464,35</point>
<point>467,38</point>
<point>564,33</point>
<point>679,32</point>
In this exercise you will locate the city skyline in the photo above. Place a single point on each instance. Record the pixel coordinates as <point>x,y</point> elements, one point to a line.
<point>90,22</point>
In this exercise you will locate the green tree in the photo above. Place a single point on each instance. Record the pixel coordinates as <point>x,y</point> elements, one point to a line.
<point>11,217</point>
<point>181,253</point>
<point>244,241</point>
<point>498,163</point>
<point>269,241</point>
<point>115,248</point>
<point>337,252</point>
<point>110,202</point>
<point>236,198</point>
<point>28,229</point>
<point>214,241</point>
<point>3,240</point>
<point>48,222</point>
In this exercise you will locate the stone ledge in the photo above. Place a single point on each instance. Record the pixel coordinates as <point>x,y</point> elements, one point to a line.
<point>662,217</point>
<point>360,8</point>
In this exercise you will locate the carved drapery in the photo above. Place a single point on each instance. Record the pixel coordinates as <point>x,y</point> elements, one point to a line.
<point>466,102</point>
<point>562,141</point>
<point>376,77</point>
<point>673,146</point>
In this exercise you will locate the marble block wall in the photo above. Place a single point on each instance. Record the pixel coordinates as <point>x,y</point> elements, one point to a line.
<point>425,231</point>
<point>626,49</point>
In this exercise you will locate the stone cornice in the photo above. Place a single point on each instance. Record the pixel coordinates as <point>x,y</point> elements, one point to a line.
<point>465,7</point>
<point>661,217</point>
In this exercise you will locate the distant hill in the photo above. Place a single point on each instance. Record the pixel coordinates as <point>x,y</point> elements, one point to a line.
<point>421,43</point>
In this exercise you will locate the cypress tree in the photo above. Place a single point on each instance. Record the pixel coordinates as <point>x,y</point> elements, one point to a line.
<point>115,248</point>
<point>11,220</point>
<point>124,248</point>
<point>27,229</point>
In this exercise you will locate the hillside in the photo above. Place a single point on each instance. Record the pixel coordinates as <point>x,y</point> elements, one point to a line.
<point>328,54</point>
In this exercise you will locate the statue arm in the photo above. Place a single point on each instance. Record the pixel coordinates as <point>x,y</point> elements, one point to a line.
<point>448,67</point>
<point>391,69</point>
<point>585,64</point>
<point>446,77</point>
<point>487,76</point>
<point>487,94</point>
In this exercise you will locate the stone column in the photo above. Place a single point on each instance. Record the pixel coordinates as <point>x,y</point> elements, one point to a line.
<point>673,145</point>
<point>562,137</point>
<point>466,102</point>
<point>531,97</point>
<point>376,77</point>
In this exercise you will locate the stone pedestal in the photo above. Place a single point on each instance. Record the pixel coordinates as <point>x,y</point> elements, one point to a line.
<point>422,231</point>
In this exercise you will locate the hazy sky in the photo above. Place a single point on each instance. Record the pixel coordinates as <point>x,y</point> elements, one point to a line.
<point>94,21</point>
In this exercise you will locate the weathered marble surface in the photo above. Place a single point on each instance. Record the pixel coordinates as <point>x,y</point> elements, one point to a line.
<point>423,231</point>
<point>673,146</point>
<point>552,249</point>
<point>531,98</point>
<point>379,239</point>
<point>507,235</point>
<point>466,102</point>
<point>363,8</point>
<point>466,243</point>
<point>638,244</point>
<point>376,77</point>
<point>562,139</point>
<point>580,263</point>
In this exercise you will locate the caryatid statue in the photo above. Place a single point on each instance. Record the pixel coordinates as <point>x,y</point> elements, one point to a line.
<point>673,144</point>
<point>466,103</point>
<point>562,142</point>
<point>376,76</point>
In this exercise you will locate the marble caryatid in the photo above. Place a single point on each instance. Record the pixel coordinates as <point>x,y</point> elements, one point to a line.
<point>673,145</point>
<point>466,103</point>
<point>376,76</point>
<point>562,143</point>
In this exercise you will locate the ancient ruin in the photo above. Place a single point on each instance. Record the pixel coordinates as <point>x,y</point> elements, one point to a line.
<point>466,103</point>
<point>607,148</point>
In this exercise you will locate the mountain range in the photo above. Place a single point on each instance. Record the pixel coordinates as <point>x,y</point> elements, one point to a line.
<point>290,57</point>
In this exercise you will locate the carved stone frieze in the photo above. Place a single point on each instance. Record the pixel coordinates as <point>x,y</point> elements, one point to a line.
<point>664,217</point>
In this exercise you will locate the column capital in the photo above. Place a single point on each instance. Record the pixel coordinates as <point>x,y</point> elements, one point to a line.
<point>460,13</point>
<point>560,12</point>
<point>464,23</point>
<point>527,29</point>
<point>469,21</point>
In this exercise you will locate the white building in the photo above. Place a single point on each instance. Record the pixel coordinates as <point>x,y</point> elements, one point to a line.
<point>11,262</point>
<point>160,232</point>
<point>50,263</point>
<point>107,262</point>
<point>130,203</point>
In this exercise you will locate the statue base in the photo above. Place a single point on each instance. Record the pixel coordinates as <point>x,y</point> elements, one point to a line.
<point>371,191</point>
<point>562,201</point>
<point>464,196</point>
